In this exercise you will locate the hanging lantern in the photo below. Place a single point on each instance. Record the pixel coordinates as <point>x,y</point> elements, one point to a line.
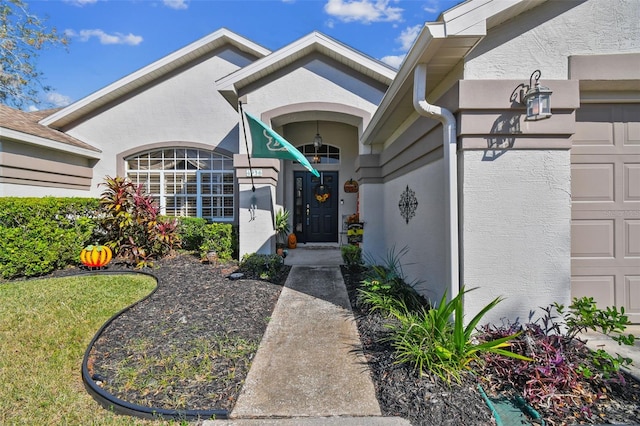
<point>95,256</point>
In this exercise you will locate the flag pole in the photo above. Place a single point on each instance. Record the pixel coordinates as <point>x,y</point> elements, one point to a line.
<point>244,130</point>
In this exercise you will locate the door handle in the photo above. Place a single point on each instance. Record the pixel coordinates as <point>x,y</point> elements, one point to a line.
<point>308,213</point>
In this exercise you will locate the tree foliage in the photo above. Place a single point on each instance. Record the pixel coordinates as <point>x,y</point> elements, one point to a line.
<point>22,36</point>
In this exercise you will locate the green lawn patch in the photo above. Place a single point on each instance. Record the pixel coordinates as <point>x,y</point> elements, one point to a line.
<point>45,327</point>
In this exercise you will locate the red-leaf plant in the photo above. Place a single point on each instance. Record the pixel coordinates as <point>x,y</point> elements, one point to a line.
<point>560,381</point>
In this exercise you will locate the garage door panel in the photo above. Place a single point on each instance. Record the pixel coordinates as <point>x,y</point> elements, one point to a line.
<point>632,238</point>
<point>632,136</point>
<point>632,288</point>
<point>593,238</point>
<point>593,182</point>
<point>605,212</point>
<point>593,138</point>
<point>632,182</point>
<point>601,288</point>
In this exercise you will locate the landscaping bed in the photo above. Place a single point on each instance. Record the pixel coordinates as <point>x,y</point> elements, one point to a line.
<point>190,345</point>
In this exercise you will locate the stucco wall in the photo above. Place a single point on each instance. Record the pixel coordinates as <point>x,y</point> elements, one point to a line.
<point>184,107</point>
<point>317,79</point>
<point>424,234</point>
<point>516,230</point>
<point>544,37</point>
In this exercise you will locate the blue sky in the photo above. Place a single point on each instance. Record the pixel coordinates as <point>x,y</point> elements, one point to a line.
<point>110,39</point>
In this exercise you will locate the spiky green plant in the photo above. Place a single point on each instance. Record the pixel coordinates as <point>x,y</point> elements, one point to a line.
<point>429,340</point>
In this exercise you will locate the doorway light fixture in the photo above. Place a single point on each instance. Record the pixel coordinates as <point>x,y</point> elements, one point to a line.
<point>317,141</point>
<point>536,98</point>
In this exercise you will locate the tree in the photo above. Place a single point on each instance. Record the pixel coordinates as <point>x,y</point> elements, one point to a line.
<point>22,36</point>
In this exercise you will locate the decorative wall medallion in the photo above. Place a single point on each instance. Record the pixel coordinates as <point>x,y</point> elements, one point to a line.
<point>408,204</point>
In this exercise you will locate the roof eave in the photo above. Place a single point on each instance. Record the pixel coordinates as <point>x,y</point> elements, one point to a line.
<point>231,85</point>
<point>48,143</point>
<point>152,71</point>
<point>463,27</point>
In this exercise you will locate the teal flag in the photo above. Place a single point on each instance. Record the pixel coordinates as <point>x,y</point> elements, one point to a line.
<point>269,144</point>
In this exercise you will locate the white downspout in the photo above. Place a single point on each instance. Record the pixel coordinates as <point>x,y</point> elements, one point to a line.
<point>448,121</point>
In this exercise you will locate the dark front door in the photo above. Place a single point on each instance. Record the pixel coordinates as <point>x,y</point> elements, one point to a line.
<point>316,207</point>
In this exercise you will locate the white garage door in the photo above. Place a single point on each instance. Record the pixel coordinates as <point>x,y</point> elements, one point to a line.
<point>605,225</point>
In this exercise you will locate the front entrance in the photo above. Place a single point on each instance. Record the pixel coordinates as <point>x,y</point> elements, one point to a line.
<point>315,215</point>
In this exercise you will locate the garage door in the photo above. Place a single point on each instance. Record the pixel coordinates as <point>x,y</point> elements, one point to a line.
<point>605,192</point>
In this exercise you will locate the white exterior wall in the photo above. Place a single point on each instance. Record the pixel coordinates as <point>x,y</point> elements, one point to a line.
<point>544,37</point>
<point>315,82</point>
<point>257,221</point>
<point>372,212</point>
<point>424,235</point>
<point>183,108</point>
<point>516,231</point>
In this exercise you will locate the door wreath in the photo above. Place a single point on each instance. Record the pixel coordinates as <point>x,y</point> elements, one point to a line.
<point>321,193</point>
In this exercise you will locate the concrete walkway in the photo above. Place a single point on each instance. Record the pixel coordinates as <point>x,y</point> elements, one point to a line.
<point>306,370</point>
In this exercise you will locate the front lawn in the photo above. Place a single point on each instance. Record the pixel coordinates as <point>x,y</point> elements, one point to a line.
<point>45,327</point>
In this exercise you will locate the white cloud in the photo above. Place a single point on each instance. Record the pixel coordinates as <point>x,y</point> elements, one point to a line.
<point>393,61</point>
<point>432,6</point>
<point>80,3</point>
<point>408,36</point>
<point>176,4</point>
<point>59,100</point>
<point>116,38</point>
<point>365,11</point>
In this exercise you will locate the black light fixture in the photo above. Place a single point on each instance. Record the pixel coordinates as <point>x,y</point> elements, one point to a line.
<point>536,98</point>
<point>317,141</point>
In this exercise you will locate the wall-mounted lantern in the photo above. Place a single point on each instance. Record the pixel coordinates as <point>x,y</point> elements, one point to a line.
<point>536,98</point>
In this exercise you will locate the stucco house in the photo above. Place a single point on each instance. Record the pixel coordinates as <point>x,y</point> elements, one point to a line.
<point>446,161</point>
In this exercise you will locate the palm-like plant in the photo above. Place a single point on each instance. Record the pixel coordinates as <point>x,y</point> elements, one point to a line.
<point>282,226</point>
<point>432,342</point>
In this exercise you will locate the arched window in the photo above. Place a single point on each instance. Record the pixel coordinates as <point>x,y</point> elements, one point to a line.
<point>326,154</point>
<point>186,182</point>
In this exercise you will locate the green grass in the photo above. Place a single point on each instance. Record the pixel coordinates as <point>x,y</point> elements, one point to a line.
<point>45,327</point>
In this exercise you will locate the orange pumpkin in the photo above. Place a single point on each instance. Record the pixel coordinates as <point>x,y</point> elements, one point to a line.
<point>292,241</point>
<point>95,256</point>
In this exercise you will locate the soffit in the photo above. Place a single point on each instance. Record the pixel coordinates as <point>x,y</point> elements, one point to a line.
<point>152,72</point>
<point>442,45</point>
<point>231,85</point>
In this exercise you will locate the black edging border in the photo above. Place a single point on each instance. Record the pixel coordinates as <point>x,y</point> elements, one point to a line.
<point>119,406</point>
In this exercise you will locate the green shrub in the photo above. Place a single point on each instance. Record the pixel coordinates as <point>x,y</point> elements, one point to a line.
<point>191,230</point>
<point>39,235</point>
<point>351,255</point>
<point>385,286</point>
<point>583,314</point>
<point>217,237</point>
<point>263,266</point>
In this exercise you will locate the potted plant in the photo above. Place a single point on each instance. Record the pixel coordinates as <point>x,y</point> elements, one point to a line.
<point>282,229</point>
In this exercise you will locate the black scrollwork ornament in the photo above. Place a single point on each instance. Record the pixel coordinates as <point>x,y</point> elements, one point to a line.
<point>408,204</point>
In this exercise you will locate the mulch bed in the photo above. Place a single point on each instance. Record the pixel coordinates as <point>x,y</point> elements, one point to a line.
<point>189,346</point>
<point>199,316</point>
